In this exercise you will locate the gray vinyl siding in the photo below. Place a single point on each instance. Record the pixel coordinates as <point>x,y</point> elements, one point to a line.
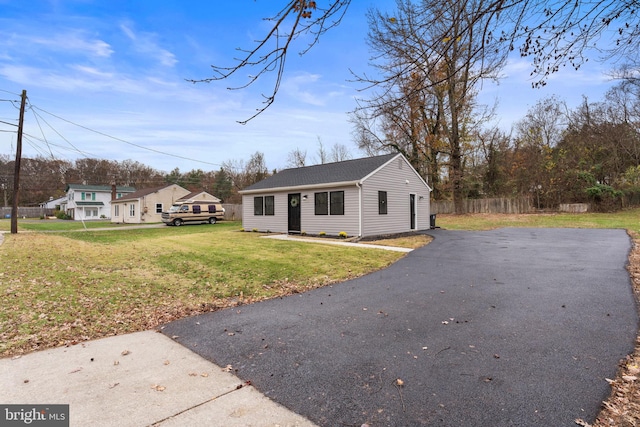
<point>310,223</point>
<point>276,223</point>
<point>361,217</point>
<point>331,224</point>
<point>392,179</point>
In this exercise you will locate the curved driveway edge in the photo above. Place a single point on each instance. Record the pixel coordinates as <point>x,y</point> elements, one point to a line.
<point>509,327</point>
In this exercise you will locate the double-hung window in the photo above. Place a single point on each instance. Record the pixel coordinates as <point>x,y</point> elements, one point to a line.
<point>269,205</point>
<point>321,203</point>
<point>336,204</point>
<point>264,205</point>
<point>329,203</point>
<point>258,206</point>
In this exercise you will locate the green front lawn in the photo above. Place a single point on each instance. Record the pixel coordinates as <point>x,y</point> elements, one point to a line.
<point>68,287</point>
<point>628,219</point>
<point>57,225</point>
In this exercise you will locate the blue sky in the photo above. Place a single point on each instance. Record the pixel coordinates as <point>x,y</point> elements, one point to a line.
<point>119,67</point>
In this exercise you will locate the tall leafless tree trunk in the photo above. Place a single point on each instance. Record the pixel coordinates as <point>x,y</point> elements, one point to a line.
<point>429,58</point>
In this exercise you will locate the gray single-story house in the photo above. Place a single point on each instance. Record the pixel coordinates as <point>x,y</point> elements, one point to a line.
<point>362,197</point>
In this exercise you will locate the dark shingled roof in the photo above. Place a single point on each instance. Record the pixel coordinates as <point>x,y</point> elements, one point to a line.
<point>346,171</point>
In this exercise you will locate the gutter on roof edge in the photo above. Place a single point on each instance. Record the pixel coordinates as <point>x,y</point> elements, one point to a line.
<point>300,187</point>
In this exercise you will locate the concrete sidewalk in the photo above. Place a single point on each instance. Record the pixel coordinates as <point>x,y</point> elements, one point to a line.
<point>336,242</point>
<point>138,379</point>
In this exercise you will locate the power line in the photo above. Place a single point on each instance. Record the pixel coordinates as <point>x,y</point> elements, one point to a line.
<point>58,133</point>
<point>9,92</point>
<point>10,124</point>
<point>123,140</point>
<point>41,131</point>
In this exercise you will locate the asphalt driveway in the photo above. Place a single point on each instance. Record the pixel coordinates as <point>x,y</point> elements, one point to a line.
<point>509,327</point>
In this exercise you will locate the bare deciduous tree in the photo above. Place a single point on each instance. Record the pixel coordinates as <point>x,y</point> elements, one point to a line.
<point>322,156</point>
<point>430,57</point>
<point>550,32</point>
<point>297,158</point>
<point>243,174</point>
<point>339,153</point>
<point>296,18</point>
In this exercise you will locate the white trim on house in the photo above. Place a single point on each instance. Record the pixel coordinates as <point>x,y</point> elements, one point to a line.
<point>297,188</point>
<point>359,208</point>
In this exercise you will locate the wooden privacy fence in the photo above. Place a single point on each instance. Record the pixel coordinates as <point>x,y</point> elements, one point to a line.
<point>232,212</point>
<point>497,205</point>
<point>505,205</point>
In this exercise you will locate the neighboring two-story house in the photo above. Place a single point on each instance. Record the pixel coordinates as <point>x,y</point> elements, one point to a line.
<point>84,202</point>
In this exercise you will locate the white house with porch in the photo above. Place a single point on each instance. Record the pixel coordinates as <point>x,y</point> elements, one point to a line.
<point>86,202</point>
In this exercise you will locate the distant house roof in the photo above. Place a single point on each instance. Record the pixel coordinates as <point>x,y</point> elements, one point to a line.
<point>51,203</point>
<point>345,171</point>
<point>194,196</point>
<point>98,188</point>
<point>140,193</point>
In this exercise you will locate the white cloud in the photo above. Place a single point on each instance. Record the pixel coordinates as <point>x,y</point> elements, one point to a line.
<point>309,88</point>
<point>146,44</point>
<point>70,42</point>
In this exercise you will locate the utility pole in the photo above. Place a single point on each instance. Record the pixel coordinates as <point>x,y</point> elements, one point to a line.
<point>16,174</point>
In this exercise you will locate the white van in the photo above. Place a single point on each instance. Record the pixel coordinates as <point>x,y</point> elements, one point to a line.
<point>196,211</point>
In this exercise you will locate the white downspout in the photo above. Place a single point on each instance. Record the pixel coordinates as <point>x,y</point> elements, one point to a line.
<point>359,209</point>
